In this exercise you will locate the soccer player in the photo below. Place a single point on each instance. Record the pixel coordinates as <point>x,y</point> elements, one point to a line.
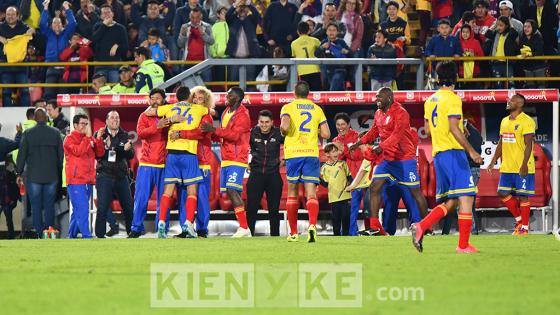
<point>152,133</point>
<point>443,114</point>
<point>517,172</point>
<point>234,134</point>
<point>201,96</point>
<point>304,47</point>
<point>302,123</point>
<point>392,124</point>
<point>181,166</point>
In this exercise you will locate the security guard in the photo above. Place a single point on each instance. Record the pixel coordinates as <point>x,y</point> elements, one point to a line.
<point>126,86</point>
<point>149,75</point>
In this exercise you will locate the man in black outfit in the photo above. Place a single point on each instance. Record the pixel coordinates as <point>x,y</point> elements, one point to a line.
<point>265,172</point>
<point>7,146</point>
<point>112,174</point>
<point>110,43</point>
<point>59,121</point>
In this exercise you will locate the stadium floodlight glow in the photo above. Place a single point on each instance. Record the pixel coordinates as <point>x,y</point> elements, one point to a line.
<point>92,101</point>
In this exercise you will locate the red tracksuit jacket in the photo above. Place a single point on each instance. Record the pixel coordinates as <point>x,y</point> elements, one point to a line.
<point>353,158</point>
<point>397,138</point>
<point>204,147</point>
<point>235,136</point>
<point>80,158</point>
<point>153,141</point>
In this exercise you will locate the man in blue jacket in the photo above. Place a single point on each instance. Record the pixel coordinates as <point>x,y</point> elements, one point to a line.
<point>57,38</point>
<point>443,44</point>
<point>334,47</point>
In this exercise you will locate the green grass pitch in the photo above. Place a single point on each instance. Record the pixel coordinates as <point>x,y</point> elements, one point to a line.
<point>510,275</point>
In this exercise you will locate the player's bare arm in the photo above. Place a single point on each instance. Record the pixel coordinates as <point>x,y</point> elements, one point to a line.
<point>524,170</point>
<point>285,125</point>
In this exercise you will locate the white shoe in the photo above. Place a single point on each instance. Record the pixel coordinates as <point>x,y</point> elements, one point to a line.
<point>241,232</point>
<point>161,230</point>
<point>189,228</point>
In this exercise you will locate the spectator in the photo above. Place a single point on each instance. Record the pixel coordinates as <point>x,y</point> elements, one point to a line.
<point>328,17</point>
<point>80,151</point>
<point>195,37</point>
<point>220,32</point>
<point>506,9</point>
<point>86,18</point>
<point>546,16</point>
<point>156,46</point>
<point>57,117</point>
<point>346,137</point>
<point>12,27</point>
<point>532,44</point>
<point>149,75</point>
<point>334,47</point>
<point>112,174</point>
<point>182,16</point>
<point>382,9</point>
<point>468,19</point>
<point>483,20</point>
<point>36,74</point>
<point>8,200</point>
<point>336,182</point>
<point>153,18</point>
<point>381,75</point>
<point>349,15</point>
<point>41,155</point>
<point>264,172</point>
<point>397,28</point>
<point>278,24</point>
<point>126,85</point>
<point>58,38</point>
<point>213,7</point>
<point>79,50</point>
<point>242,21</point>
<point>132,40</point>
<point>116,7</point>
<point>424,10</point>
<point>441,9</point>
<point>505,44</point>
<point>110,43</point>
<point>443,44</point>
<point>471,48</point>
<point>304,47</point>
<point>99,84</point>
<point>279,72</point>
<point>261,6</point>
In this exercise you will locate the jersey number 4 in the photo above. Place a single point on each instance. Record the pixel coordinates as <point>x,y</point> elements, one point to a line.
<point>305,122</point>
<point>184,114</point>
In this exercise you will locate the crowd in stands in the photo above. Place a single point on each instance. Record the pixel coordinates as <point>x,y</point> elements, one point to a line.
<point>194,30</point>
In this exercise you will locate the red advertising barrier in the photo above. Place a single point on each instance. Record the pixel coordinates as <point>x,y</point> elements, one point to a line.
<point>322,98</point>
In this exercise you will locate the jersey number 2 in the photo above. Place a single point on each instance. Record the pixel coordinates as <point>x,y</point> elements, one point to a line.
<point>184,114</point>
<point>305,122</point>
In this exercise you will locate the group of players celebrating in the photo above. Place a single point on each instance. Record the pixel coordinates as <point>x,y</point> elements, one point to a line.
<point>187,131</point>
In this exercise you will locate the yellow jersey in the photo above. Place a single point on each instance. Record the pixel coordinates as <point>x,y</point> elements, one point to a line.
<point>366,180</point>
<point>441,106</point>
<point>512,133</point>
<point>304,47</point>
<point>303,135</point>
<point>336,175</point>
<point>193,114</point>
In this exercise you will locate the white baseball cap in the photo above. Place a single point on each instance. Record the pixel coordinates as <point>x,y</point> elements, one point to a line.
<point>506,3</point>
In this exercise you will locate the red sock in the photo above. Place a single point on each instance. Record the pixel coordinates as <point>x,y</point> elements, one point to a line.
<point>292,207</point>
<point>465,225</point>
<point>375,224</point>
<point>433,217</point>
<point>164,204</point>
<point>525,213</point>
<point>511,204</point>
<point>241,216</point>
<point>191,205</point>
<point>312,206</point>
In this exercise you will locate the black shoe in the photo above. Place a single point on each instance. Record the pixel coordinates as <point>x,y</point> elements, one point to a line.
<point>202,234</point>
<point>134,234</point>
<point>429,232</point>
<point>183,234</point>
<point>369,232</point>
<point>112,232</point>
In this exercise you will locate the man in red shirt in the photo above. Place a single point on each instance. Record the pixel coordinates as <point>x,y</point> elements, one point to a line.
<point>80,151</point>
<point>347,137</point>
<point>483,19</point>
<point>392,124</point>
<point>152,132</point>
<point>234,135</point>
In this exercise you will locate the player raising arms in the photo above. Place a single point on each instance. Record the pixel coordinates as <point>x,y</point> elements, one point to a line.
<point>443,113</point>
<point>234,135</point>
<point>302,123</point>
<point>517,172</point>
<point>181,166</point>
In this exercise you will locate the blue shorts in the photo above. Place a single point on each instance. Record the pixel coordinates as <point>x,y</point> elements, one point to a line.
<point>453,175</point>
<point>231,177</point>
<point>303,170</point>
<point>512,183</point>
<point>182,169</point>
<point>401,172</point>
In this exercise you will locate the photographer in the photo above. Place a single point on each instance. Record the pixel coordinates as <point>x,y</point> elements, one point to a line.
<point>334,47</point>
<point>112,174</point>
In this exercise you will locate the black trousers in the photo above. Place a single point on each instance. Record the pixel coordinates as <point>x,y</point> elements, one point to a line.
<point>257,185</point>
<point>341,217</point>
<point>107,187</point>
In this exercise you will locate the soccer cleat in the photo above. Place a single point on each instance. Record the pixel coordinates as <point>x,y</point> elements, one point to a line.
<point>312,234</point>
<point>523,231</point>
<point>181,235</point>
<point>134,234</point>
<point>369,232</point>
<point>517,228</point>
<point>467,250</point>
<point>114,230</point>
<point>417,237</point>
<point>293,238</point>
<point>189,228</point>
<point>241,232</point>
<point>161,233</point>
